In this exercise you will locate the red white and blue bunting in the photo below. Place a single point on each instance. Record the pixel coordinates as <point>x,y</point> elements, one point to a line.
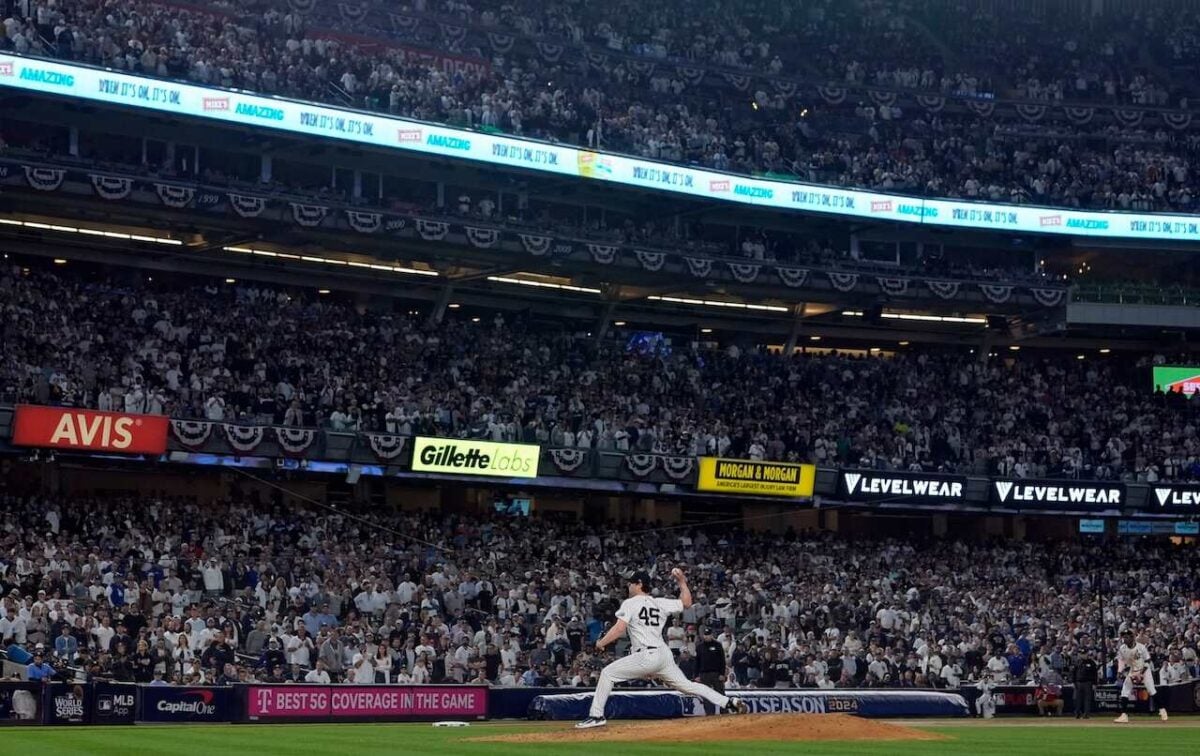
<point>243,438</point>
<point>177,197</point>
<point>536,245</point>
<point>386,446</point>
<point>843,281</point>
<point>996,293</point>
<point>308,216</point>
<point>295,441</point>
<point>1048,297</point>
<point>482,238</point>
<point>744,272</point>
<point>432,230</point>
<point>247,206</point>
<point>364,222</point>
<point>893,287</point>
<point>111,187</point>
<point>568,460</point>
<point>944,289</point>
<point>641,465</point>
<point>605,254</point>
<point>191,433</point>
<point>44,179</point>
<point>651,261</point>
<point>792,277</point>
<point>700,267</point>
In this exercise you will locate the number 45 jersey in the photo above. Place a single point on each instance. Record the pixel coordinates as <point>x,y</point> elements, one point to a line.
<point>646,616</point>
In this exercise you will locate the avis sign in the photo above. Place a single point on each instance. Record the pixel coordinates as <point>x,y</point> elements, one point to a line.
<point>70,428</point>
<point>1058,494</point>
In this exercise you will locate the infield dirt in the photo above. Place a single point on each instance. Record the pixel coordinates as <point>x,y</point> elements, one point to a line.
<point>773,727</point>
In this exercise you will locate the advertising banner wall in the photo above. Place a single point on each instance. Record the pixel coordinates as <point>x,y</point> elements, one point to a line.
<point>736,476</point>
<point>114,703</point>
<point>162,703</point>
<point>391,702</point>
<point>240,108</point>
<point>1174,497</point>
<point>70,428</point>
<point>469,457</point>
<point>20,703</point>
<point>876,485</point>
<point>1058,494</point>
<point>68,703</point>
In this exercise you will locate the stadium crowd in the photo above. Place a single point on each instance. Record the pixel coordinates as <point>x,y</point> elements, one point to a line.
<point>271,47</point>
<point>192,591</point>
<point>244,353</point>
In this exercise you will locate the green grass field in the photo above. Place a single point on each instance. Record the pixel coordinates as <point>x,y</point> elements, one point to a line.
<point>1031,736</point>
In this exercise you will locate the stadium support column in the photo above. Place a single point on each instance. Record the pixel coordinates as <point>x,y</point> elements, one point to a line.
<point>265,169</point>
<point>606,319</point>
<point>73,141</point>
<point>443,301</point>
<point>797,327</point>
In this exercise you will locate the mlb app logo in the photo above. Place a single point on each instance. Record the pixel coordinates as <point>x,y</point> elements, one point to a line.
<point>718,186</point>
<point>104,704</point>
<point>408,135</point>
<point>216,103</point>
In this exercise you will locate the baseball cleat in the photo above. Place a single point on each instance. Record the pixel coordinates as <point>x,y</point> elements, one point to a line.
<point>1162,714</point>
<point>591,722</point>
<point>736,706</point>
<point>1123,719</point>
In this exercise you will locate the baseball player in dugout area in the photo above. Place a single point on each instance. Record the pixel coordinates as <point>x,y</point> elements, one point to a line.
<point>1133,663</point>
<point>649,658</point>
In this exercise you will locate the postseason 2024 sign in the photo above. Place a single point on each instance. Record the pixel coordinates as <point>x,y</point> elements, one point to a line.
<point>901,487</point>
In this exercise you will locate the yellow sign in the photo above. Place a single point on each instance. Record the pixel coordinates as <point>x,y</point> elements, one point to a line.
<point>741,476</point>
<point>469,457</point>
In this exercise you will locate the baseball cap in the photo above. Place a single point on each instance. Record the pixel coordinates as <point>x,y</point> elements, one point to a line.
<point>640,576</point>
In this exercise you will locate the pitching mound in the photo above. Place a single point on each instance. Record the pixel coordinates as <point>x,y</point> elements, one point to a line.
<point>775,727</point>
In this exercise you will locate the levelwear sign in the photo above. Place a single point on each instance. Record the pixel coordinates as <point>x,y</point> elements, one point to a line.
<point>746,477</point>
<point>1171,497</point>
<point>466,457</point>
<point>1057,494</point>
<point>873,485</point>
<point>70,428</point>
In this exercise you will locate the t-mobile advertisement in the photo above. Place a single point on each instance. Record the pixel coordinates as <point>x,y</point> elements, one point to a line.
<point>266,703</point>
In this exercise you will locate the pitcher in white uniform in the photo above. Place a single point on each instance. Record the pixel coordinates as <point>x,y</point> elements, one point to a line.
<point>649,658</point>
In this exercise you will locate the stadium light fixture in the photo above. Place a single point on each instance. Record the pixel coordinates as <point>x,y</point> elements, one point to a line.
<point>903,343</point>
<point>619,323</point>
<point>1105,350</point>
<point>1015,348</point>
<point>705,330</point>
<point>719,303</point>
<point>543,284</point>
<point>1079,357</point>
<point>332,261</point>
<point>454,305</point>
<point>59,261</point>
<point>814,338</point>
<point>322,291</point>
<point>89,231</point>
